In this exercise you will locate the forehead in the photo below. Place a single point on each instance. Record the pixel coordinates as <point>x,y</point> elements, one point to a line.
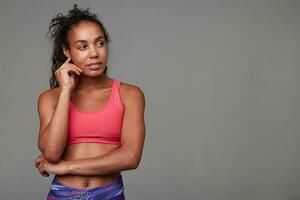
<point>84,31</point>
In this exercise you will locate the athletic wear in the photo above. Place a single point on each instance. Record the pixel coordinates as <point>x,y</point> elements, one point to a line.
<point>110,191</point>
<point>103,126</point>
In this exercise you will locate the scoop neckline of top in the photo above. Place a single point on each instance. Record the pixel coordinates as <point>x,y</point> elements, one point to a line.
<point>102,108</point>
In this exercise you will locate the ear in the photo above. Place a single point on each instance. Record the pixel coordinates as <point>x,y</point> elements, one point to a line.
<point>66,52</point>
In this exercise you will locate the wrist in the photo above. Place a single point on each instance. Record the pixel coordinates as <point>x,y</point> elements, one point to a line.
<point>68,167</point>
<point>65,91</point>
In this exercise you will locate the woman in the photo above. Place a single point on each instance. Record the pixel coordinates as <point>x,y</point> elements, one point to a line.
<point>91,126</point>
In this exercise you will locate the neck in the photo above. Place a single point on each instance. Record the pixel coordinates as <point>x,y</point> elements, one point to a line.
<point>87,83</point>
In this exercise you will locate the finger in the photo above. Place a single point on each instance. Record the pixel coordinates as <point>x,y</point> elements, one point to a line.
<point>73,69</point>
<point>44,173</point>
<point>67,61</point>
<point>41,167</point>
<point>36,164</point>
<point>72,65</point>
<point>38,161</point>
<point>40,156</point>
<point>66,65</point>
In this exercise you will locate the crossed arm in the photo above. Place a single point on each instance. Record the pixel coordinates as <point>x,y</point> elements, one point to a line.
<point>126,157</point>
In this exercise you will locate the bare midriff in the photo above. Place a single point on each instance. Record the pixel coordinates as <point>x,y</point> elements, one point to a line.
<point>82,151</point>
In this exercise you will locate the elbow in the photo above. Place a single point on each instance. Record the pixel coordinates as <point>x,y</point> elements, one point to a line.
<point>134,161</point>
<point>51,155</point>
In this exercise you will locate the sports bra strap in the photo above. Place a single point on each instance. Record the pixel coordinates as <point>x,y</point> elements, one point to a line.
<point>116,93</point>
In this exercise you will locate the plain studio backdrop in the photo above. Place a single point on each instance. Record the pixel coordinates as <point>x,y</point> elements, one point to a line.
<point>222,87</point>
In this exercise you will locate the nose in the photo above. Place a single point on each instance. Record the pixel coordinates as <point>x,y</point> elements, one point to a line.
<point>93,52</point>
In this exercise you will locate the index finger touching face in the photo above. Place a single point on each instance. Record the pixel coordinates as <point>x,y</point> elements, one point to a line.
<point>67,61</point>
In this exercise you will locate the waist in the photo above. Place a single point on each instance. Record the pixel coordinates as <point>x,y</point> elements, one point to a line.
<point>88,149</point>
<point>86,182</point>
<point>82,151</point>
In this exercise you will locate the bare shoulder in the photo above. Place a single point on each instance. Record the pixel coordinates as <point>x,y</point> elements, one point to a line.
<point>47,101</point>
<point>131,94</point>
<point>49,97</point>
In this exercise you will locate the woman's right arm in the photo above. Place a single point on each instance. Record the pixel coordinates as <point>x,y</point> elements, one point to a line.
<point>53,115</point>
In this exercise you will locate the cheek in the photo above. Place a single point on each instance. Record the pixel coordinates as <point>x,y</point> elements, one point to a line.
<point>103,53</point>
<point>80,58</point>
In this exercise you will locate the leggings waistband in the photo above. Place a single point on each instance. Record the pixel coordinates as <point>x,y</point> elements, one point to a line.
<point>117,181</point>
<point>111,190</point>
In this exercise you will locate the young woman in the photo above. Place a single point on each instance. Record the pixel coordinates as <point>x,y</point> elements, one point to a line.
<point>91,126</point>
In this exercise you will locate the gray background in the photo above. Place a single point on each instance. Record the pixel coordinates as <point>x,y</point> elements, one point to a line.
<point>222,95</point>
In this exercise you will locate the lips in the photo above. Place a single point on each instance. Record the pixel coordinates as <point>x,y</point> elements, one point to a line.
<point>95,65</point>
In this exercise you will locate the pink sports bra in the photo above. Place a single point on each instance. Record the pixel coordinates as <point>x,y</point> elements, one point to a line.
<point>103,126</point>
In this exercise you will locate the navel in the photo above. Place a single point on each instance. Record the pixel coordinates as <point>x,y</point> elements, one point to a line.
<point>86,183</point>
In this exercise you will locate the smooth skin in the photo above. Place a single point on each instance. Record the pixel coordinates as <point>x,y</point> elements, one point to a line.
<point>87,165</point>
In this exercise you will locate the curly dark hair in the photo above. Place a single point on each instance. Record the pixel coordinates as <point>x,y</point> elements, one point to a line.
<point>59,27</point>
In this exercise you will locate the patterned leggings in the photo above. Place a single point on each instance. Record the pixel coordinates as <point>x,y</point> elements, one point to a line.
<point>110,191</point>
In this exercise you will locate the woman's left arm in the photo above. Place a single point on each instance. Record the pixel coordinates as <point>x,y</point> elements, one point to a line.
<point>128,155</point>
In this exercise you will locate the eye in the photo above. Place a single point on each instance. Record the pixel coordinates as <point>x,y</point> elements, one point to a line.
<point>82,46</point>
<point>100,43</point>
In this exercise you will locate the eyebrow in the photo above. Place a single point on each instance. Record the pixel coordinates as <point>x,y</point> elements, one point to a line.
<point>98,38</point>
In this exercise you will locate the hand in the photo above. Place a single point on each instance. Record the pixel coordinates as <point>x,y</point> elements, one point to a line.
<point>59,168</point>
<point>37,162</point>
<point>65,74</point>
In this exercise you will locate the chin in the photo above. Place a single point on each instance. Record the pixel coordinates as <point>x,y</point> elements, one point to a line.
<point>95,73</point>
